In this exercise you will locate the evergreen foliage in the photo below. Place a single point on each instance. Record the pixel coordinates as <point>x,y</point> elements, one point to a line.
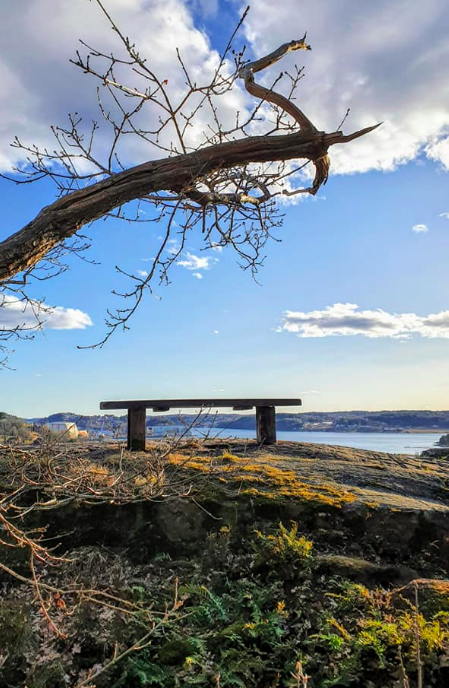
<point>244,613</point>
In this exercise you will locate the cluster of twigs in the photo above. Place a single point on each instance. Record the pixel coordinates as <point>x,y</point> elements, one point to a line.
<point>56,473</point>
<point>219,204</point>
<point>230,198</point>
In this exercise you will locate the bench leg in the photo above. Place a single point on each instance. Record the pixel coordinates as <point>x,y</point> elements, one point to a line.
<point>266,424</point>
<point>136,428</point>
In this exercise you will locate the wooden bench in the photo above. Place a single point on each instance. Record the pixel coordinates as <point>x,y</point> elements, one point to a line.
<point>265,414</point>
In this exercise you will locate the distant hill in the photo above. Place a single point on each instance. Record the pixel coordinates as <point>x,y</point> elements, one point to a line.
<point>12,427</point>
<point>335,421</point>
<point>354,421</point>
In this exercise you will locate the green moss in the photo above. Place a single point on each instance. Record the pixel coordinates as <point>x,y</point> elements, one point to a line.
<point>49,675</point>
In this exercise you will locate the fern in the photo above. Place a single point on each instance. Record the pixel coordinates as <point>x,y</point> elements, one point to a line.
<point>144,672</point>
<point>212,607</point>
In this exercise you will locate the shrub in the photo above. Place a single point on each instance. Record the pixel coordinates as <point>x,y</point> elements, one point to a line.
<point>283,548</point>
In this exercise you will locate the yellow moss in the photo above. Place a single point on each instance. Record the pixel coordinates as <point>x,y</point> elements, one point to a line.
<point>403,630</point>
<point>97,471</point>
<point>226,456</point>
<point>197,463</point>
<point>262,479</point>
<point>278,482</point>
<point>145,480</point>
<point>176,458</point>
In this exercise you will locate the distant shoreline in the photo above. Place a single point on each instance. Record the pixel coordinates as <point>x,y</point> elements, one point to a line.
<point>410,423</point>
<point>408,431</point>
<point>423,431</point>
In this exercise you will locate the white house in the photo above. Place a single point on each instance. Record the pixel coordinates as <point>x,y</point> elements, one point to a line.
<point>68,430</point>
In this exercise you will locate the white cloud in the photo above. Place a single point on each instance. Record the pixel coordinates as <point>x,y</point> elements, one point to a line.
<point>384,62</point>
<point>198,275</point>
<point>439,150</point>
<point>173,246</point>
<point>216,332</point>
<point>142,273</point>
<point>193,262</point>
<point>13,313</point>
<point>39,86</point>
<point>446,215</point>
<point>420,229</point>
<point>381,60</point>
<point>345,319</point>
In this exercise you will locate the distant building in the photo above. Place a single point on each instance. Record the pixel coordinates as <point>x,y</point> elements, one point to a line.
<point>68,430</point>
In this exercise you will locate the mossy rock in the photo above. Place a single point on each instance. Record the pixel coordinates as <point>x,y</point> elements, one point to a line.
<point>432,595</point>
<point>362,571</point>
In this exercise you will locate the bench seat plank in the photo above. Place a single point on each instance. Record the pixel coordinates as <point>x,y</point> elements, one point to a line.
<point>167,404</point>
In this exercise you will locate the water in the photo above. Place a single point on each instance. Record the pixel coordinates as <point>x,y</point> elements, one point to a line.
<point>392,442</point>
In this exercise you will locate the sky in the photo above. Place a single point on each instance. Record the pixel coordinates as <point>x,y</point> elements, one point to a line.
<point>351,308</point>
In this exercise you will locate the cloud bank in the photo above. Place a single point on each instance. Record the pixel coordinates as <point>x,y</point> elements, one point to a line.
<point>39,86</point>
<point>13,313</point>
<point>346,319</point>
<point>385,62</point>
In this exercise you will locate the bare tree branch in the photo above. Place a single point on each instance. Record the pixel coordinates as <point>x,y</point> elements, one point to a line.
<point>63,218</point>
<point>222,181</point>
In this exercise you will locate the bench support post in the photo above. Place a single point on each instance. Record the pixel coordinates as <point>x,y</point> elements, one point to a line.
<point>137,428</point>
<point>266,424</point>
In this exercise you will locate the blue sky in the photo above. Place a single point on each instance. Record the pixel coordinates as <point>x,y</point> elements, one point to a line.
<point>223,334</point>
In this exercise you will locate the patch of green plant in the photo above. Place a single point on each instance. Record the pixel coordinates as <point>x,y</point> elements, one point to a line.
<point>242,613</point>
<point>284,548</point>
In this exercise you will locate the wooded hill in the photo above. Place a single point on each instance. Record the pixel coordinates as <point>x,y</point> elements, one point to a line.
<point>336,421</point>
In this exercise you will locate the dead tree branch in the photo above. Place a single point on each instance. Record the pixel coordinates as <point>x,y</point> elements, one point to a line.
<point>223,181</point>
